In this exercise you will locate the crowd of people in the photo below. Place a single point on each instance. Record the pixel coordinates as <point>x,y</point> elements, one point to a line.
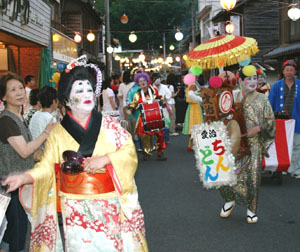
<point>72,151</point>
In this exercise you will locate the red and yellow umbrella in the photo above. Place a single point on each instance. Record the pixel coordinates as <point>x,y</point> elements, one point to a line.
<point>221,51</point>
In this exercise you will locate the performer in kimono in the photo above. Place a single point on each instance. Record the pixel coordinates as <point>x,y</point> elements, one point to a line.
<point>260,125</point>
<point>193,114</point>
<point>146,93</point>
<point>97,158</point>
<point>285,95</point>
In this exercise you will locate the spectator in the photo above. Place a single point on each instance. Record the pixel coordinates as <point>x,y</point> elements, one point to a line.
<point>17,149</point>
<point>109,101</point>
<point>285,95</point>
<point>122,94</point>
<point>48,100</point>
<point>29,85</point>
<point>115,83</point>
<point>35,105</point>
<point>171,83</point>
<point>165,94</point>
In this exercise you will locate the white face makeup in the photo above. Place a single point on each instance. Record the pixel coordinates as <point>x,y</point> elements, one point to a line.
<point>82,97</point>
<point>157,82</point>
<point>250,83</point>
<point>142,82</point>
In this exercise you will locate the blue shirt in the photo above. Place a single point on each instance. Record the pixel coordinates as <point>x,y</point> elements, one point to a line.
<point>276,98</point>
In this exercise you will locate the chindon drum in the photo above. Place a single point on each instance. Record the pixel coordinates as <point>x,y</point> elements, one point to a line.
<point>152,116</point>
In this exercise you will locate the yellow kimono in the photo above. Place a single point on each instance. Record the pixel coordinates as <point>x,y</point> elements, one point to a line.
<point>107,222</point>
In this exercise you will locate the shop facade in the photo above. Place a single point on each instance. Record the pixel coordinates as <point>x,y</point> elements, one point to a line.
<point>23,36</point>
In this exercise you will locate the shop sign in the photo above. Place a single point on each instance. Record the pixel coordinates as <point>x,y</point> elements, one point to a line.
<point>64,49</point>
<point>29,21</point>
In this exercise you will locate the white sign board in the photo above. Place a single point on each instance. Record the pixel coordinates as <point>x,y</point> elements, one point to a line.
<point>213,153</point>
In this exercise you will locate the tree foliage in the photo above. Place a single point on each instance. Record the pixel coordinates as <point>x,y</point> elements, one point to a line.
<point>149,19</point>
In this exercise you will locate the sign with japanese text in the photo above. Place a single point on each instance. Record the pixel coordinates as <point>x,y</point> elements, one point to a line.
<point>213,153</point>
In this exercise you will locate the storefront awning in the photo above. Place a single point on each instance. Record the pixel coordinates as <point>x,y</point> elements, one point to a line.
<point>282,51</point>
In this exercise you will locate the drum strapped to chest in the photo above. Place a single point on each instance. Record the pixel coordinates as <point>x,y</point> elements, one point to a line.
<point>152,116</point>
<point>218,105</point>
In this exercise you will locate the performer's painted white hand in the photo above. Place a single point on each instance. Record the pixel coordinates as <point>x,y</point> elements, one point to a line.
<point>253,131</point>
<point>96,164</point>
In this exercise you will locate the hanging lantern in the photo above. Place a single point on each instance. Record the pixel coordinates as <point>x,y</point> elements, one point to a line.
<point>132,37</point>
<point>91,36</point>
<point>172,47</point>
<point>124,19</point>
<point>228,4</point>
<point>178,35</point>
<point>77,37</point>
<point>177,58</point>
<point>294,13</point>
<point>109,49</point>
<point>229,28</point>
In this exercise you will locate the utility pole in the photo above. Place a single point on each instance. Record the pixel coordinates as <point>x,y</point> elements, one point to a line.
<point>164,43</point>
<point>193,24</point>
<point>108,56</point>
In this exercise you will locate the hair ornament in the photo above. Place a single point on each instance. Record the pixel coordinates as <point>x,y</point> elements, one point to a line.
<point>249,70</point>
<point>82,61</point>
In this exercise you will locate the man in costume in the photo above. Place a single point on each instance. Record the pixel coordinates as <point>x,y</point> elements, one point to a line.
<point>260,125</point>
<point>146,94</point>
<point>285,96</point>
<point>262,85</point>
<point>95,162</point>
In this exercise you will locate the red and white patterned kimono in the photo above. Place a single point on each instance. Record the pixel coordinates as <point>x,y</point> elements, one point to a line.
<point>107,222</point>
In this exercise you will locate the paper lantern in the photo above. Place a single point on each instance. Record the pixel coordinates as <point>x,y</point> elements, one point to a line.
<point>229,28</point>
<point>109,49</point>
<point>189,79</point>
<point>178,35</point>
<point>196,70</point>
<point>228,4</point>
<point>215,82</point>
<point>124,19</point>
<point>77,37</point>
<point>249,70</point>
<point>294,13</point>
<point>132,37</point>
<point>90,37</point>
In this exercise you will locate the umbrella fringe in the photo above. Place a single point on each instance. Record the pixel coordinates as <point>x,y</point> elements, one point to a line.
<point>224,58</point>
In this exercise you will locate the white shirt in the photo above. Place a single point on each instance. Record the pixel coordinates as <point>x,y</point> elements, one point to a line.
<point>165,92</point>
<point>27,104</point>
<point>106,94</point>
<point>123,90</point>
<point>172,100</point>
<point>39,122</point>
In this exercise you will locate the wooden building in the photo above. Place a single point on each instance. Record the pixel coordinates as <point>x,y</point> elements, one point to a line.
<point>289,38</point>
<point>23,35</point>
<point>258,19</point>
<point>81,16</point>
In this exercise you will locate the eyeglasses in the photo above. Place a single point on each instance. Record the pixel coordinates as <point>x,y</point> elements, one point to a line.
<point>73,162</point>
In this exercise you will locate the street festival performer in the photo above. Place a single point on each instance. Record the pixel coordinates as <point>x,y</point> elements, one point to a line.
<point>250,125</point>
<point>146,105</point>
<point>97,158</point>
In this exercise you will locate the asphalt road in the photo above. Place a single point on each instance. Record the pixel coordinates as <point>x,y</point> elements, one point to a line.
<point>182,216</point>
